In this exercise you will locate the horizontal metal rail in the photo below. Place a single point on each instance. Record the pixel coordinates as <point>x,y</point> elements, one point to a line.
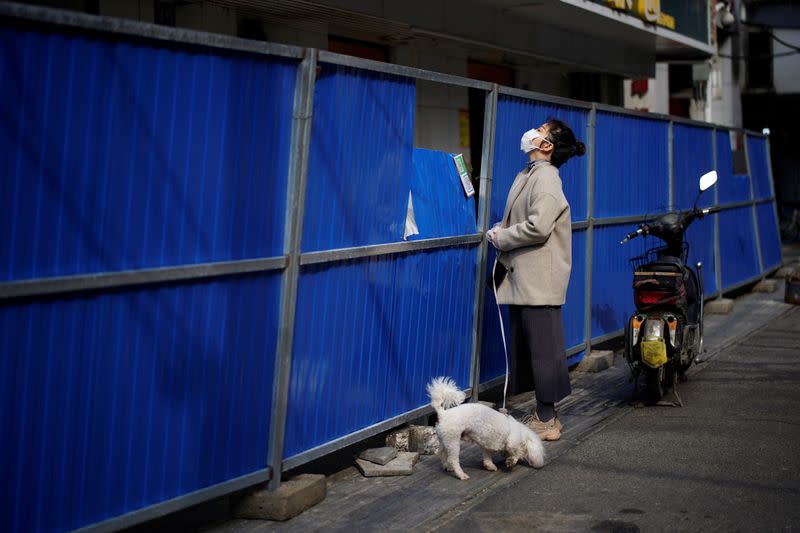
<point>764,200</point>
<point>145,30</point>
<point>540,97</point>
<point>753,133</point>
<point>748,281</point>
<point>772,268</point>
<point>611,221</point>
<point>734,205</point>
<point>628,219</point>
<point>359,252</point>
<point>107,280</point>
<point>164,508</point>
<point>583,224</point>
<point>691,122</point>
<point>606,108</point>
<point>494,382</point>
<point>608,336</point>
<point>352,438</point>
<point>401,70</point>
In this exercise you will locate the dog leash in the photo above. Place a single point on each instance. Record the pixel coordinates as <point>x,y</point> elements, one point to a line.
<point>503,334</point>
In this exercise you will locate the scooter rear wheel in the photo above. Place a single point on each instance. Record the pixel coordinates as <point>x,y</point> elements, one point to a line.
<point>660,381</point>
<point>654,382</point>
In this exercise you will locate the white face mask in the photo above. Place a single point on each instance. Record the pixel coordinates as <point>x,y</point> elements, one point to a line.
<point>526,143</point>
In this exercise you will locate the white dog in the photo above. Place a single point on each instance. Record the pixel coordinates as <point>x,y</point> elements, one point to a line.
<point>489,429</point>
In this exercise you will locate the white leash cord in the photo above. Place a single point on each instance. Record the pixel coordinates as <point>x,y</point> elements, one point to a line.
<point>503,334</point>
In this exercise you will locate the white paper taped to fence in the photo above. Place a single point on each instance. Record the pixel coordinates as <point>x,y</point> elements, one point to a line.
<point>411,221</point>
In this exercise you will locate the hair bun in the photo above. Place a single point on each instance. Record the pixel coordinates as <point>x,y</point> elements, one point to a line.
<point>580,148</point>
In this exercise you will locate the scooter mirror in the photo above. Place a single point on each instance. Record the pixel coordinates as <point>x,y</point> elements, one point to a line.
<point>707,180</point>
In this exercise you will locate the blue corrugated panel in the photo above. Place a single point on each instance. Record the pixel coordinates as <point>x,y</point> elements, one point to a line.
<point>759,166</point>
<point>612,277</point>
<point>700,237</point>
<point>441,208</point>
<point>515,116</point>
<point>431,324</point>
<point>359,168</point>
<point>112,402</point>
<point>770,237</point>
<point>370,334</point>
<point>492,356</point>
<point>122,156</point>
<point>693,156</point>
<point>631,174</point>
<point>739,255</point>
<point>732,187</point>
<point>339,360</point>
<point>574,309</point>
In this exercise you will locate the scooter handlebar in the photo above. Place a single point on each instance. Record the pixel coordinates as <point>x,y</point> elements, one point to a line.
<point>632,235</point>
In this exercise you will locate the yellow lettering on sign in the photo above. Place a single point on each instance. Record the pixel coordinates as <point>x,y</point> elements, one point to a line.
<point>649,10</point>
<point>621,4</point>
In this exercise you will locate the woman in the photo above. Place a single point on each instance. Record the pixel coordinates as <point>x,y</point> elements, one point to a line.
<point>535,241</point>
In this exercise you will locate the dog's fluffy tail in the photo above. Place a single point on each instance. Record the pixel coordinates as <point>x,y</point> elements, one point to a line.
<point>535,452</point>
<point>444,394</point>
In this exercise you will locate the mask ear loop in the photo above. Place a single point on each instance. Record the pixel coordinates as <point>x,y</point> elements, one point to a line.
<point>503,334</point>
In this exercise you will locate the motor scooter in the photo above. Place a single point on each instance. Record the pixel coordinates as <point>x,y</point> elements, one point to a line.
<point>665,334</point>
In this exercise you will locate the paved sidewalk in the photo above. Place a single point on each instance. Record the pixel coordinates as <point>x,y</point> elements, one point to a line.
<point>429,498</point>
<point>726,461</point>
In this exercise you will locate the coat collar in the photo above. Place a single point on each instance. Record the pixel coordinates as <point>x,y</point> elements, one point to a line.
<point>519,184</point>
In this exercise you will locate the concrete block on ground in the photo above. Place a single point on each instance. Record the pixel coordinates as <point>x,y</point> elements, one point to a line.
<point>596,361</point>
<point>379,456</point>
<point>766,285</point>
<point>721,306</point>
<point>402,465</point>
<point>792,290</point>
<point>292,498</point>
<point>784,271</point>
<point>399,439</point>
<point>424,440</point>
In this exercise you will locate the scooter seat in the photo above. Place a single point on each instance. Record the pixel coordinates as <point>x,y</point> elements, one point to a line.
<point>665,263</point>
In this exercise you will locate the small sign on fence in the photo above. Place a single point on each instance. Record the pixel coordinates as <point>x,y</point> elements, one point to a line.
<point>469,190</point>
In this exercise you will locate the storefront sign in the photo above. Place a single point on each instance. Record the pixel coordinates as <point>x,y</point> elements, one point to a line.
<point>647,10</point>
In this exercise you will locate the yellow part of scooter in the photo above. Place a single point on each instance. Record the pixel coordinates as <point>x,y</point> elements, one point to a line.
<point>654,352</point>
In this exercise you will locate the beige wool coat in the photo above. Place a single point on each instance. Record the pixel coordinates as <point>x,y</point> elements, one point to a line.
<point>535,239</point>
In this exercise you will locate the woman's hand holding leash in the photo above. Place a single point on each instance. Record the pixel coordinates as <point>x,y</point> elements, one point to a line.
<point>491,235</point>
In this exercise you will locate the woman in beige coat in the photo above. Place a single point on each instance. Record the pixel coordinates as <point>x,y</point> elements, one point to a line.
<point>535,244</point>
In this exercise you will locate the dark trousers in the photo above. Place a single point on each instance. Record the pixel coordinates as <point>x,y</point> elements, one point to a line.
<point>538,357</point>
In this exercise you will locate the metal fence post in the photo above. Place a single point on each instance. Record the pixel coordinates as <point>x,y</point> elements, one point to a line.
<point>587,297</point>
<point>671,165</point>
<point>772,191</point>
<point>753,208</point>
<point>293,231</point>
<point>717,253</point>
<point>484,209</point>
